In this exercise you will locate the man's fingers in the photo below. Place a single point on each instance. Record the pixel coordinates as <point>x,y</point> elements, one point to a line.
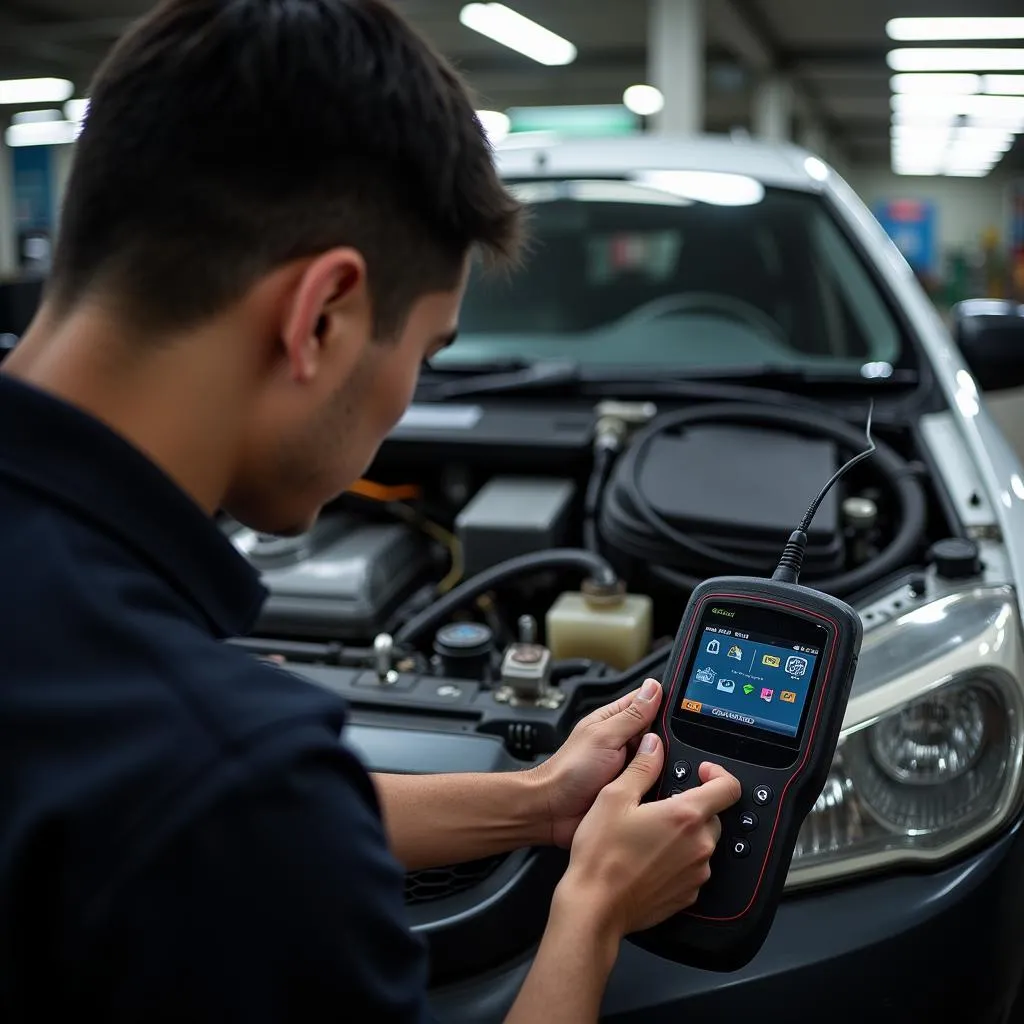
<point>718,792</point>
<point>642,772</point>
<point>606,711</point>
<point>633,714</point>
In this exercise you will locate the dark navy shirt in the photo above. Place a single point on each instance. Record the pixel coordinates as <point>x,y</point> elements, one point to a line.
<point>183,837</point>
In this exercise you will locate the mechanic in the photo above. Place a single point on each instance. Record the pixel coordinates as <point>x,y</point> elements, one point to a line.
<point>267,230</point>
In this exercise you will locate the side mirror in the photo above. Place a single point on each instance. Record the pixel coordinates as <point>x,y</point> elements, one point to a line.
<point>990,333</point>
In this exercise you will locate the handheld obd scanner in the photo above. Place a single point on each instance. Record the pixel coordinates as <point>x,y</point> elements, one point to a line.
<point>758,681</point>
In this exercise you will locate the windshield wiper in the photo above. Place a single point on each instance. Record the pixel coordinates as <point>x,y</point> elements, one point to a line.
<point>727,384</point>
<point>509,377</point>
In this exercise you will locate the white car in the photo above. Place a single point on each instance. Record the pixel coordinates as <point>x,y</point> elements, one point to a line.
<point>690,347</point>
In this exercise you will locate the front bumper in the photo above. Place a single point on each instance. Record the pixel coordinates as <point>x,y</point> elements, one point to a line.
<point>912,949</point>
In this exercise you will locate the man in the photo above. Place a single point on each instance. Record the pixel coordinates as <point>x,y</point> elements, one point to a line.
<point>266,231</point>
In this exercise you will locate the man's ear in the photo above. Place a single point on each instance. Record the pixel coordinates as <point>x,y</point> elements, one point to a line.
<point>329,304</point>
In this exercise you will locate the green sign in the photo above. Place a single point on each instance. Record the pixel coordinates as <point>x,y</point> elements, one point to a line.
<point>601,119</point>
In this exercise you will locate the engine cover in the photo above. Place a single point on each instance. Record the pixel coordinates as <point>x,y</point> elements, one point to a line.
<point>339,581</point>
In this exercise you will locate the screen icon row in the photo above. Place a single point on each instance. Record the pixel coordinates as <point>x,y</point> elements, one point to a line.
<point>708,675</point>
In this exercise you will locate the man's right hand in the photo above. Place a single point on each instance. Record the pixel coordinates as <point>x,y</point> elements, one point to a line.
<point>634,864</point>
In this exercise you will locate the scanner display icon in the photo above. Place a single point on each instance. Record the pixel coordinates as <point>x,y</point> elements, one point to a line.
<point>714,646</point>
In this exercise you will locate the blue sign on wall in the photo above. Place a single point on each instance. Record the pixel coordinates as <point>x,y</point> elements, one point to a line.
<point>33,188</point>
<point>911,224</point>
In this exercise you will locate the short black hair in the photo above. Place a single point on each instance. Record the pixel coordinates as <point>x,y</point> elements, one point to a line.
<point>225,138</point>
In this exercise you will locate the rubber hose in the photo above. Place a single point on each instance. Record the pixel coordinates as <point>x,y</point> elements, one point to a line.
<point>593,566</point>
<point>603,461</point>
<point>631,525</point>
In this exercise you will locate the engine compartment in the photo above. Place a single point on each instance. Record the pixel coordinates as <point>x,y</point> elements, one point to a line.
<point>507,585</point>
<point>508,567</point>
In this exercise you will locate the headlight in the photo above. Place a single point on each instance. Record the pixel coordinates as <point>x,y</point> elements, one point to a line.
<point>930,759</point>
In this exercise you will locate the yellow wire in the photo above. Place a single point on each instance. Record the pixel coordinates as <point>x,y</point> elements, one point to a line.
<point>443,537</point>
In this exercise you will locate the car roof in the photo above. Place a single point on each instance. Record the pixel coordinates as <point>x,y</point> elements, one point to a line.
<point>540,154</point>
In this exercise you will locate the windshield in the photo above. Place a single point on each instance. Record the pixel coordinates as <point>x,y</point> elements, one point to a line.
<point>624,273</point>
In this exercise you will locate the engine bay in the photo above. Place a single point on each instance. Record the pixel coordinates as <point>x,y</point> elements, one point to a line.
<point>500,586</point>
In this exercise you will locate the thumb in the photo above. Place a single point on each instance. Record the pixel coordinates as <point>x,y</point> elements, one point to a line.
<point>631,715</point>
<point>642,772</point>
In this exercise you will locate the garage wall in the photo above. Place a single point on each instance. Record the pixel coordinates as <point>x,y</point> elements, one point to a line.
<point>965,206</point>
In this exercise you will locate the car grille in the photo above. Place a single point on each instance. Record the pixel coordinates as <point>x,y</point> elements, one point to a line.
<point>438,883</point>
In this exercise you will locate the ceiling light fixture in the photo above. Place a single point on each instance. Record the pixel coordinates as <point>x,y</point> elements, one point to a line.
<point>1006,107</point>
<point>495,123</point>
<point>956,59</point>
<point>512,29</point>
<point>32,116</point>
<point>42,133</point>
<point>935,84</point>
<point>20,91</point>
<point>932,29</point>
<point>1003,85</point>
<point>644,100</point>
<point>75,110</point>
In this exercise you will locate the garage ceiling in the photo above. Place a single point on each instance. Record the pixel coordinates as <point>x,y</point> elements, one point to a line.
<point>835,53</point>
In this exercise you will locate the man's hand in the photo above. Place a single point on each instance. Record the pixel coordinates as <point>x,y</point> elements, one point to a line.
<point>632,866</point>
<point>593,755</point>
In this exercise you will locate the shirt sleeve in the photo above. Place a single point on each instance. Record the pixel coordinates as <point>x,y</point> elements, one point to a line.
<point>281,903</point>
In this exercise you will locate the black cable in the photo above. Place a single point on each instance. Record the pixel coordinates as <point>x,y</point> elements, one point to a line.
<point>629,524</point>
<point>792,560</point>
<point>805,524</point>
<point>604,459</point>
<point>586,562</point>
<point>305,651</point>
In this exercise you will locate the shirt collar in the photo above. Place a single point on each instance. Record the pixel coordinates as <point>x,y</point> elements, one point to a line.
<point>75,460</point>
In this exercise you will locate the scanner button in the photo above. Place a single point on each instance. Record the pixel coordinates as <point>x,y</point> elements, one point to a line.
<point>675,791</point>
<point>748,821</point>
<point>763,795</point>
<point>681,771</point>
<point>739,847</point>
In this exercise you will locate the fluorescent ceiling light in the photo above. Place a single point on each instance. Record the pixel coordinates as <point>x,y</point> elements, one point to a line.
<point>19,91</point>
<point>945,59</point>
<point>644,100</point>
<point>1003,85</point>
<point>75,110</point>
<point>42,133</point>
<point>937,84</point>
<point>495,124</point>
<point>1007,107</point>
<point>31,116</point>
<point>919,29</point>
<point>511,29</point>
<point>924,119</point>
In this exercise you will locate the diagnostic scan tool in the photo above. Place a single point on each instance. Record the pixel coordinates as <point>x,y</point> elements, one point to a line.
<point>758,681</point>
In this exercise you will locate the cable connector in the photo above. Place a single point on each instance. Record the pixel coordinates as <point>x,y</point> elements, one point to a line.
<point>792,560</point>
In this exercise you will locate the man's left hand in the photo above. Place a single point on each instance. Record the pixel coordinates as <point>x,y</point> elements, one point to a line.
<point>594,754</point>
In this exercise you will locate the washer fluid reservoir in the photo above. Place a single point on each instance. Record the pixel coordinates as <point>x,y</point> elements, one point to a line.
<point>615,629</point>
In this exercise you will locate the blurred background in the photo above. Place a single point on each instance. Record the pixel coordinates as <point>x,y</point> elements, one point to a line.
<point>919,104</point>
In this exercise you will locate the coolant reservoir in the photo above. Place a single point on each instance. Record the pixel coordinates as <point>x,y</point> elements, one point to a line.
<point>614,629</point>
